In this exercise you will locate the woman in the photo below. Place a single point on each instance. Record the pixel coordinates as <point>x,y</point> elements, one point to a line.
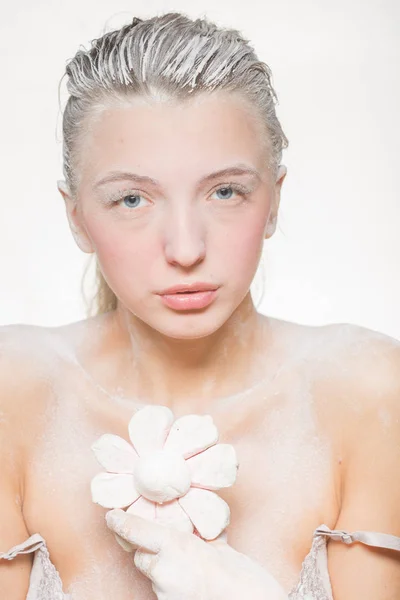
<point>172,153</point>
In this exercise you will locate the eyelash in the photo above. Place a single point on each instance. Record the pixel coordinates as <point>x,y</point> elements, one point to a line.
<point>118,197</point>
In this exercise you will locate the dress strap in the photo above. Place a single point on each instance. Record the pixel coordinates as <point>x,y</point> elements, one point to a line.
<point>370,538</point>
<point>32,544</point>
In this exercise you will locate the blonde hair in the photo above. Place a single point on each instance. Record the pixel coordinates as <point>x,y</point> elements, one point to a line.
<point>167,56</point>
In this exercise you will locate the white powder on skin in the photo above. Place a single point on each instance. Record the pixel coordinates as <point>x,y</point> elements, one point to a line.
<point>288,464</point>
<point>285,456</point>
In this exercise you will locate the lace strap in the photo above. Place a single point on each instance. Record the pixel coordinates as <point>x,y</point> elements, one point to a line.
<point>32,544</point>
<point>370,538</point>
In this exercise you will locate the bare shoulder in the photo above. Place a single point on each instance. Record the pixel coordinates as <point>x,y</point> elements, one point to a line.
<point>353,373</point>
<point>365,369</point>
<point>36,348</point>
<point>354,376</point>
<point>362,346</point>
<point>38,344</point>
<point>23,358</point>
<point>364,366</point>
<point>346,356</point>
<point>359,373</point>
<point>32,359</point>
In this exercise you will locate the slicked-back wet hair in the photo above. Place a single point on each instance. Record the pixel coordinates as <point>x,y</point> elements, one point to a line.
<point>166,57</point>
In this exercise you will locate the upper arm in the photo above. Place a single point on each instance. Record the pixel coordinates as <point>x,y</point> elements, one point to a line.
<point>371,484</point>
<point>14,574</point>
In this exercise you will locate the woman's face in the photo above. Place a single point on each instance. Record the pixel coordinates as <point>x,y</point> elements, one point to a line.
<point>176,194</point>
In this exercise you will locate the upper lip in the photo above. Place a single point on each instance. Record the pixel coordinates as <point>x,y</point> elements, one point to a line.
<point>197,286</point>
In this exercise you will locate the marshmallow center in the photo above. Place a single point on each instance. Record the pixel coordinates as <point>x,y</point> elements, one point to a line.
<point>162,476</point>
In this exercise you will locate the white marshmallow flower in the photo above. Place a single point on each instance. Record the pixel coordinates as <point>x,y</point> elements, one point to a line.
<point>170,472</point>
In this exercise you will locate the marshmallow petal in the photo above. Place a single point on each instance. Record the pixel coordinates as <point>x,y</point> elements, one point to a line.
<point>208,512</point>
<point>149,428</point>
<point>115,454</point>
<point>172,515</point>
<point>192,434</point>
<point>214,468</point>
<point>113,490</point>
<point>143,508</point>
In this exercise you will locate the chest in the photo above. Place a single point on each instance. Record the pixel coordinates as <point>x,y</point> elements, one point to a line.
<point>285,488</point>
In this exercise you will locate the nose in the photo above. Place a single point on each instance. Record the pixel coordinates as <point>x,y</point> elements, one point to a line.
<point>184,238</point>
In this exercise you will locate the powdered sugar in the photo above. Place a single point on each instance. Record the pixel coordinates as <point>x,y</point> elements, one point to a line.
<point>278,425</point>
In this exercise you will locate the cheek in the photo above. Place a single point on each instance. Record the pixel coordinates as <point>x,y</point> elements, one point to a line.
<point>124,255</point>
<point>239,249</point>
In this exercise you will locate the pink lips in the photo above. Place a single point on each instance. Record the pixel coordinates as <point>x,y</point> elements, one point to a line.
<point>189,296</point>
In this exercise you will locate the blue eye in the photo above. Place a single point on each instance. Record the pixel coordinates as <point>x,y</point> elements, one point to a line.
<point>131,201</point>
<point>226,192</point>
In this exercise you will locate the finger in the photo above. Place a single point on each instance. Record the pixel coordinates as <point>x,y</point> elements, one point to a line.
<point>124,544</point>
<point>221,539</point>
<point>145,562</point>
<point>139,532</point>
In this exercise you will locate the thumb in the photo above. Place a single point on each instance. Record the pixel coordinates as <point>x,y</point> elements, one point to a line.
<point>139,532</point>
<point>221,539</point>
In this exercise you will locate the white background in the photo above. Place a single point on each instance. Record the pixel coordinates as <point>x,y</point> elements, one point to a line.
<point>336,70</point>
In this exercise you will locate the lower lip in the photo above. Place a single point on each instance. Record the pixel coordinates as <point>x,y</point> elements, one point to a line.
<point>191,301</point>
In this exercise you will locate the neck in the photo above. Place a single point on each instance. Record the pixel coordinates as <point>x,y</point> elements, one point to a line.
<point>168,371</point>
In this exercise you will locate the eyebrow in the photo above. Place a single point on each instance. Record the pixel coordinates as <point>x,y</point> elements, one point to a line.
<point>239,169</point>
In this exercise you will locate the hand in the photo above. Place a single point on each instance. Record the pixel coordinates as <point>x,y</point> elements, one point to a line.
<point>182,566</point>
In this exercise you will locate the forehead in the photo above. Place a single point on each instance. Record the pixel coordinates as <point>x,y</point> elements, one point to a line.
<point>197,134</point>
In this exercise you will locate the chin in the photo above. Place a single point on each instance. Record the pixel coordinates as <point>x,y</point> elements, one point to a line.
<point>189,333</point>
<point>188,325</point>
